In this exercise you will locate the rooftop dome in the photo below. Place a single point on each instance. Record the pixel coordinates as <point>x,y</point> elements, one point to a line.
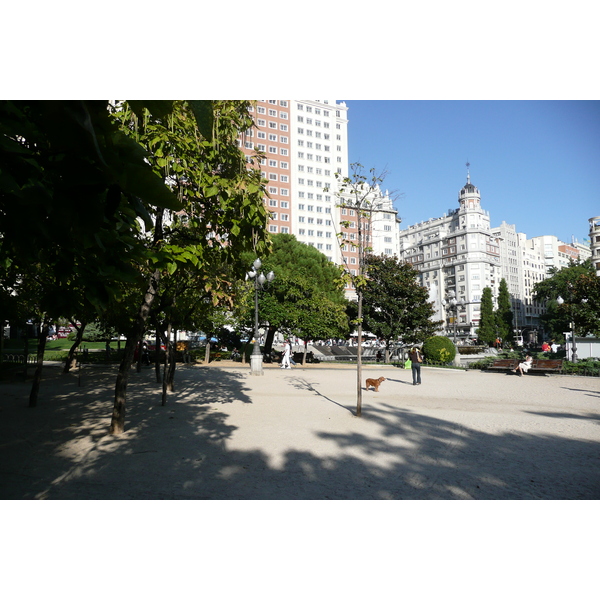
<point>469,196</point>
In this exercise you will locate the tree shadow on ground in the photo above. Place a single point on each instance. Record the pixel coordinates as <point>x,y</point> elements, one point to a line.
<point>564,415</point>
<point>306,386</point>
<point>46,450</point>
<point>592,393</point>
<point>61,450</point>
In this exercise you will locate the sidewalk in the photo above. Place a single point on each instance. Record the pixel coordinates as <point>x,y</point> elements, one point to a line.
<point>294,434</point>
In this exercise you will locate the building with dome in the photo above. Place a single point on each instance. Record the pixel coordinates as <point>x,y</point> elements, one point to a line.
<point>457,256</point>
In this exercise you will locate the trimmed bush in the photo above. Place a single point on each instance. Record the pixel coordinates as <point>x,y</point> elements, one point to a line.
<point>589,367</point>
<point>439,349</point>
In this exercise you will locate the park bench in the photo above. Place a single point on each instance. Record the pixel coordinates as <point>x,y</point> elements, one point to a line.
<point>538,365</point>
<point>503,364</point>
<point>546,365</point>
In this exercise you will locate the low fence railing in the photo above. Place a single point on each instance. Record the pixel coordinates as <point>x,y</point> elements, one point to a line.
<point>19,359</point>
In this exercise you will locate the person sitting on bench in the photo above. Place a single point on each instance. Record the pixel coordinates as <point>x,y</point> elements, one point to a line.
<point>523,367</point>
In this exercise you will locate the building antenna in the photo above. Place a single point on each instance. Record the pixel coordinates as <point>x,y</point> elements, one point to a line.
<point>468,174</point>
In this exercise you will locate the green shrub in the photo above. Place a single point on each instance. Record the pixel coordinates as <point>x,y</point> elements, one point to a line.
<point>484,363</point>
<point>439,349</point>
<point>589,367</point>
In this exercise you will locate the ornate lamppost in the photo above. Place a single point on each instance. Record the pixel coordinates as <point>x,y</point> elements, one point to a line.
<point>259,280</point>
<point>561,301</point>
<point>452,305</point>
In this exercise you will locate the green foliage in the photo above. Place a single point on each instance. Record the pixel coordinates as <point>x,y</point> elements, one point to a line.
<point>487,331</point>
<point>587,367</point>
<point>444,355</point>
<point>53,154</point>
<point>193,149</point>
<point>579,288</point>
<point>439,348</point>
<point>96,332</point>
<point>306,298</point>
<point>221,199</point>
<point>396,306</point>
<point>504,314</point>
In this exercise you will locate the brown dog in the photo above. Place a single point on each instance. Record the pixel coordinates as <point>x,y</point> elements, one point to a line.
<point>375,383</point>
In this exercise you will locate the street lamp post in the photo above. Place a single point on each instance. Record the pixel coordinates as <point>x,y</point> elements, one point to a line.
<point>561,301</point>
<point>452,305</point>
<point>259,280</point>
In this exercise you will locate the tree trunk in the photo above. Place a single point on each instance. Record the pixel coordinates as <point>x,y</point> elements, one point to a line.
<point>207,351</point>
<point>69,364</point>
<point>172,364</point>
<point>157,357</point>
<point>138,362</point>
<point>117,424</point>
<point>269,340</point>
<point>37,376</point>
<point>2,321</point>
<point>167,362</point>
<point>305,351</point>
<point>359,358</point>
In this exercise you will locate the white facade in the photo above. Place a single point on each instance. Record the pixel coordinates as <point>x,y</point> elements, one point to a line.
<point>456,254</point>
<point>385,231</point>
<point>319,149</point>
<point>534,269</point>
<point>511,268</point>
<point>595,242</point>
<point>305,143</point>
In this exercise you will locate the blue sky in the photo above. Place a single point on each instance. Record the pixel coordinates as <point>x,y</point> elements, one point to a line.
<point>536,163</point>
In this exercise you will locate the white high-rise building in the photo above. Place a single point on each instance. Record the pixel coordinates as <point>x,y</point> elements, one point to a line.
<point>533,270</point>
<point>457,255</point>
<point>306,144</point>
<point>511,267</point>
<point>319,150</point>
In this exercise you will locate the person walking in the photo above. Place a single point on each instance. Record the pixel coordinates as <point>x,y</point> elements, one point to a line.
<point>287,351</point>
<point>416,358</point>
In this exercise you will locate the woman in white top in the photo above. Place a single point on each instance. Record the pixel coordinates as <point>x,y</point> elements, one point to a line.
<point>524,366</point>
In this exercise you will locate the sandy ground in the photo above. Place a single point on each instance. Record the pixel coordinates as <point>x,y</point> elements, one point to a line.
<point>294,434</point>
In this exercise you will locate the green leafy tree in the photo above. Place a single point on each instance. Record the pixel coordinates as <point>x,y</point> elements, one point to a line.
<point>396,305</point>
<point>504,314</point>
<point>360,192</point>
<point>487,331</point>
<point>194,150</point>
<point>142,168</point>
<point>579,288</point>
<point>81,184</point>
<point>72,187</point>
<point>306,298</point>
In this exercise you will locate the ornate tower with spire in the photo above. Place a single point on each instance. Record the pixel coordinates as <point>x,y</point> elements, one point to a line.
<point>469,196</point>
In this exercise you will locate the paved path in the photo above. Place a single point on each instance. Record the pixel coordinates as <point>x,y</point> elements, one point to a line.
<point>293,434</point>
